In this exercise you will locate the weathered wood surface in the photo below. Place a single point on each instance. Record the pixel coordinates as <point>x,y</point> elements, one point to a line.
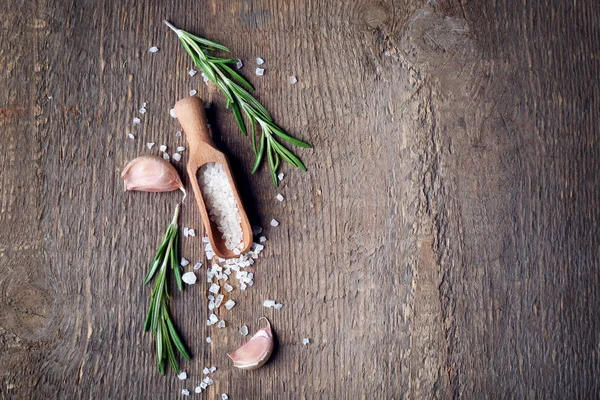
<point>444,243</point>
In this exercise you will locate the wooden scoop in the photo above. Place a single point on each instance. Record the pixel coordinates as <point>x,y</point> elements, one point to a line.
<point>191,116</point>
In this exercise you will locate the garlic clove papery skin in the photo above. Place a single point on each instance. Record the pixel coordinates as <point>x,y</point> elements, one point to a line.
<point>151,174</point>
<point>256,352</point>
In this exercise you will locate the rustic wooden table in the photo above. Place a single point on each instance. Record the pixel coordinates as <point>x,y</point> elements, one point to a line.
<point>443,244</point>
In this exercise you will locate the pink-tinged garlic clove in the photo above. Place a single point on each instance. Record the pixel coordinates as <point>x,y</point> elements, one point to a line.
<point>256,352</point>
<point>151,174</point>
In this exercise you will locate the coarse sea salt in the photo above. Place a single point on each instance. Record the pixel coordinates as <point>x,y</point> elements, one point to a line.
<point>185,392</point>
<point>260,71</point>
<point>208,339</point>
<point>205,78</point>
<point>184,262</point>
<point>182,375</point>
<point>192,73</point>
<point>293,79</point>
<point>262,239</point>
<point>130,136</point>
<point>259,61</point>
<point>166,156</point>
<point>206,371</point>
<point>189,278</point>
<point>172,113</point>
<point>178,133</point>
<point>228,287</point>
<point>269,303</point>
<point>221,204</point>
<point>213,318</point>
<point>280,176</point>
<point>150,145</point>
<point>280,197</point>
<point>162,148</point>
<point>239,64</point>
<point>229,304</point>
<point>278,306</point>
<point>198,266</point>
<point>224,396</point>
<point>180,148</point>
<point>177,157</point>
<point>193,92</point>
<point>153,49</point>
<point>221,324</point>
<point>219,300</point>
<point>305,341</point>
<point>136,121</point>
<point>244,330</point>
<point>142,111</point>
<point>274,222</point>
<point>214,288</point>
<point>198,389</point>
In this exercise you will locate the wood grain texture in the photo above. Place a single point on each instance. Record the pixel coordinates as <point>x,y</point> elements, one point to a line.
<point>444,243</point>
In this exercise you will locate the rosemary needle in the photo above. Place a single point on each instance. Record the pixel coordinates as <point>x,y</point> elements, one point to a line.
<point>158,319</point>
<point>236,90</point>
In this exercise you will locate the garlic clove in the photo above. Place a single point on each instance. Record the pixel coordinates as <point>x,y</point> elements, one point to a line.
<point>151,174</point>
<point>256,351</point>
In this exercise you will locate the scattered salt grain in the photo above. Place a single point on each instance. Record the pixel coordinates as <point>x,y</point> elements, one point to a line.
<point>136,121</point>
<point>186,231</point>
<point>180,148</point>
<point>172,113</point>
<point>224,396</point>
<point>192,73</point>
<point>192,232</point>
<point>260,71</point>
<point>280,197</point>
<point>213,369</point>
<point>185,392</point>
<point>205,78</point>
<point>182,375</point>
<point>177,157</point>
<point>262,239</point>
<point>189,278</point>
<point>280,176</point>
<point>229,304</point>
<point>259,61</point>
<point>198,266</point>
<point>130,136</point>
<point>206,371</point>
<point>193,92</point>
<point>153,49</point>
<point>237,252</point>
<point>239,64</point>
<point>208,339</point>
<point>213,318</point>
<point>166,156</point>
<point>305,341</point>
<point>142,111</point>
<point>219,300</point>
<point>221,324</point>
<point>150,145</point>
<point>256,230</point>
<point>228,287</point>
<point>184,262</point>
<point>162,148</point>
<point>269,303</point>
<point>178,133</point>
<point>203,385</point>
<point>244,330</point>
<point>214,288</point>
<point>293,79</point>
<point>274,222</point>
<point>278,306</point>
<point>198,389</point>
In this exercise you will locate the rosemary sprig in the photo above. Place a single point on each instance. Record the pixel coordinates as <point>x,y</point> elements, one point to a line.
<point>236,90</point>
<point>158,319</point>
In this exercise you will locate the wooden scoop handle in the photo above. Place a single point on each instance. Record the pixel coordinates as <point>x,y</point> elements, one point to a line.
<point>191,116</point>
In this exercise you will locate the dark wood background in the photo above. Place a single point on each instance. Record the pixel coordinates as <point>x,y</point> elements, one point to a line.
<point>443,244</point>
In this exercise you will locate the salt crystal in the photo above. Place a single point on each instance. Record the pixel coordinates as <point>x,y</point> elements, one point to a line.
<point>185,392</point>
<point>198,389</point>
<point>293,79</point>
<point>203,385</point>
<point>213,369</point>
<point>136,121</point>
<point>182,375</point>
<point>280,197</point>
<point>178,133</point>
<point>280,176</point>
<point>150,145</point>
<point>172,113</point>
<point>224,396</point>
<point>198,266</point>
<point>130,135</point>
<point>211,305</point>
<point>142,111</point>
<point>242,286</point>
<point>260,71</point>
<point>189,278</point>
<point>228,287</point>
<point>214,288</point>
<point>205,239</point>
<point>184,262</point>
<point>208,339</point>
<point>192,233</point>
<point>176,156</point>
<point>260,61</point>
<point>180,148</point>
<point>193,92</point>
<point>206,371</point>
<point>162,148</point>
<point>144,104</point>
<point>244,330</point>
<point>256,230</point>
<point>213,318</point>
<point>205,78</point>
<point>207,106</point>
<point>221,324</point>
<point>239,64</point>
<point>211,297</point>
<point>278,306</point>
<point>186,231</point>
<point>237,252</point>
<point>262,239</point>
<point>166,156</point>
<point>274,222</point>
<point>192,73</point>
<point>305,341</point>
<point>153,49</point>
<point>269,303</point>
<point>206,380</point>
<point>229,304</point>
<point>219,300</point>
